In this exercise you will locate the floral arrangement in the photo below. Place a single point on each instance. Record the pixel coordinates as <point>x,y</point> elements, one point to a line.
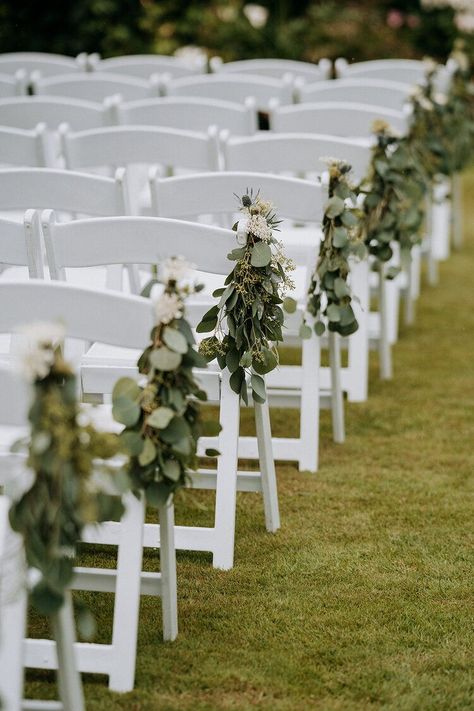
<point>394,207</point>
<point>161,415</point>
<point>69,489</point>
<point>329,294</point>
<point>247,322</point>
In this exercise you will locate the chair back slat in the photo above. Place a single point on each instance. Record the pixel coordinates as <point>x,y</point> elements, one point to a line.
<point>95,86</point>
<point>28,111</point>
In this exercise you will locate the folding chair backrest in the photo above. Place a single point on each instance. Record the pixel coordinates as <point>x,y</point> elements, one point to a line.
<point>294,153</point>
<point>189,114</point>
<point>336,119</point>
<point>408,71</point>
<point>125,145</point>
<point>234,87</point>
<point>95,86</point>
<point>19,245</point>
<point>24,147</point>
<point>375,92</point>
<point>134,240</point>
<point>89,315</point>
<point>63,190</point>
<point>47,64</point>
<point>14,403</point>
<point>145,65</point>
<point>275,68</point>
<point>214,193</point>
<point>26,112</point>
<point>15,85</point>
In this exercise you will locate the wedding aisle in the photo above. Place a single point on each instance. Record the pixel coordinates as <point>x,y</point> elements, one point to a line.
<point>362,599</point>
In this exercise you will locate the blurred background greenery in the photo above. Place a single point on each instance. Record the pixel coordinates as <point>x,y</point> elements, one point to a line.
<point>295,29</point>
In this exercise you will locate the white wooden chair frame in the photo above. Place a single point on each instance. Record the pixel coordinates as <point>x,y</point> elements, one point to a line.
<point>93,86</point>
<point>289,386</point>
<point>15,85</point>
<point>25,147</point>
<point>90,315</point>
<point>265,91</point>
<point>20,246</point>
<point>410,71</point>
<point>25,112</point>
<point>376,92</point>
<point>275,68</point>
<point>300,154</point>
<point>42,63</point>
<point>139,240</point>
<point>189,114</point>
<point>145,65</point>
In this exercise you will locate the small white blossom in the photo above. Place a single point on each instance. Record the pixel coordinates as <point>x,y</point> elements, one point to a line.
<point>257,15</point>
<point>176,269</point>
<point>425,103</point>
<point>35,349</point>
<point>258,226</point>
<point>242,232</point>
<point>441,99</point>
<point>167,307</point>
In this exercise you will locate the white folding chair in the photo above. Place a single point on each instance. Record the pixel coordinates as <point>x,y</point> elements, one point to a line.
<point>409,71</point>
<point>14,404</point>
<point>48,64</point>
<point>335,118</point>
<point>13,85</point>
<point>141,240</point>
<point>265,91</point>
<point>375,92</point>
<point>145,65</point>
<point>189,114</point>
<point>71,194</point>
<point>138,145</point>
<point>89,315</point>
<point>23,147</point>
<point>213,194</point>
<point>301,154</point>
<point>95,87</point>
<point>275,68</point>
<point>27,111</point>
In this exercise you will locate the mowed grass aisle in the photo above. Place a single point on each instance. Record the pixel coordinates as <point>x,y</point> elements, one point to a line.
<point>364,599</point>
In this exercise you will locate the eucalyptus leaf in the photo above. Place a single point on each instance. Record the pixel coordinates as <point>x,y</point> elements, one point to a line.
<point>261,255</point>
<point>175,340</point>
<point>148,453</point>
<point>165,359</point>
<point>160,418</point>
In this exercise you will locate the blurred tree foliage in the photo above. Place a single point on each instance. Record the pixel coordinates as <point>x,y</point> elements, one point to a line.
<point>296,29</point>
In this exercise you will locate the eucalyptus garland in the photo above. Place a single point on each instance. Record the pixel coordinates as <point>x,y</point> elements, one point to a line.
<point>458,117</point>
<point>329,293</point>
<point>394,203</point>
<point>247,322</point>
<point>69,489</point>
<point>162,416</point>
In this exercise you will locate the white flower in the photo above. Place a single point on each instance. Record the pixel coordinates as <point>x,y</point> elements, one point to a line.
<point>441,99</point>
<point>176,269</point>
<point>167,308</point>
<point>35,349</point>
<point>465,23</point>
<point>430,65</point>
<point>257,15</point>
<point>191,54</point>
<point>242,232</point>
<point>425,103</point>
<point>258,226</point>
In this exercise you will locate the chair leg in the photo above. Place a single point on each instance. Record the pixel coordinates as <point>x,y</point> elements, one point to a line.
<point>69,680</point>
<point>226,483</point>
<point>408,301</point>
<point>127,595</point>
<point>337,401</point>
<point>12,634</point>
<point>169,598</point>
<point>385,350</point>
<point>457,211</point>
<point>309,416</point>
<point>267,466</point>
<point>358,346</point>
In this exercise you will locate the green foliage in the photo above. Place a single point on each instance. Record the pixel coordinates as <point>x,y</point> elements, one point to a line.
<point>162,417</point>
<point>69,490</point>
<point>250,302</point>
<point>329,294</point>
<point>394,206</point>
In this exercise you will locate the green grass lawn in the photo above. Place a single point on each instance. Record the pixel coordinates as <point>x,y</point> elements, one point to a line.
<point>364,599</point>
